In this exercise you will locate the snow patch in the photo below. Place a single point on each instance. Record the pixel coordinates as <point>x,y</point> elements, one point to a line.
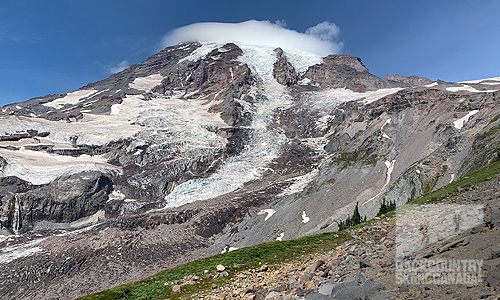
<point>201,52</point>
<point>299,183</point>
<point>459,124</point>
<point>305,218</point>
<point>41,168</point>
<point>382,129</point>
<point>228,249</point>
<point>452,178</point>
<point>280,237</point>
<point>467,88</point>
<point>479,80</point>
<point>372,96</point>
<point>70,98</point>
<point>116,195</point>
<point>269,212</point>
<point>305,81</point>
<point>146,83</point>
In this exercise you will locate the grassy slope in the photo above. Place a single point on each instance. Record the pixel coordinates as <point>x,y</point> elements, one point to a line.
<point>269,253</point>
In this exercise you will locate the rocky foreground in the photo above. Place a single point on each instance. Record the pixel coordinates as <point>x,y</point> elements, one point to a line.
<point>365,267</point>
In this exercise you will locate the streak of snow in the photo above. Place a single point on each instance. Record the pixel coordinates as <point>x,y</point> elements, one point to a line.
<point>280,237</point>
<point>390,167</point>
<point>305,218</point>
<point>382,129</point>
<point>479,80</point>
<point>467,88</point>
<point>269,212</point>
<point>372,96</point>
<point>299,183</point>
<point>12,253</point>
<point>146,83</point>
<point>431,84</point>
<point>70,98</point>
<point>459,124</point>
<point>452,178</point>
<point>201,52</point>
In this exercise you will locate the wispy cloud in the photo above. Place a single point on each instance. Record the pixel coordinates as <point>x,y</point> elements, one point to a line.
<point>322,39</point>
<point>119,67</point>
<point>324,31</point>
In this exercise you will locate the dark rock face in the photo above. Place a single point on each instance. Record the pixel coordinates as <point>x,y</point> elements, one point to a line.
<point>344,71</point>
<point>67,199</point>
<point>283,72</point>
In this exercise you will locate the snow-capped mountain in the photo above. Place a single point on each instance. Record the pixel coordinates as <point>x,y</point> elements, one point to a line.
<point>208,146</point>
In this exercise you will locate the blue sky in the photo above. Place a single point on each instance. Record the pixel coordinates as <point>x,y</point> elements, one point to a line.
<point>53,46</point>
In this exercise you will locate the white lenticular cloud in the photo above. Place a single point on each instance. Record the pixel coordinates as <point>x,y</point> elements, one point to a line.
<point>321,39</point>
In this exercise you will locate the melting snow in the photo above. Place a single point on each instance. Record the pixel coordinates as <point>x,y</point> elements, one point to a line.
<point>390,167</point>
<point>11,253</point>
<point>452,178</point>
<point>280,237</point>
<point>382,129</point>
<point>305,218</point>
<point>467,88</point>
<point>116,195</point>
<point>201,52</point>
<point>146,83</point>
<point>373,96</point>
<point>70,98</point>
<point>228,249</point>
<point>269,212</point>
<point>459,124</point>
<point>305,81</point>
<point>299,183</point>
<point>479,80</point>
<point>41,168</point>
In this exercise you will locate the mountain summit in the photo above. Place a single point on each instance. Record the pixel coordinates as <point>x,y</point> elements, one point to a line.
<point>206,146</point>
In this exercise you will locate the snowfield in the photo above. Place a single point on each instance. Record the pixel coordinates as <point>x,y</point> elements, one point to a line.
<point>70,98</point>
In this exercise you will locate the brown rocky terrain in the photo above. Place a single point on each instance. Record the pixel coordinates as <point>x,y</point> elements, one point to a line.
<point>365,267</point>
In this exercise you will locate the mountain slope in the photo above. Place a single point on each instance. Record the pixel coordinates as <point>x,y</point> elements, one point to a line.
<point>203,147</point>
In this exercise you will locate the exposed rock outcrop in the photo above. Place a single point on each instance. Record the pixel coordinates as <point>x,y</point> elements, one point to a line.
<point>283,71</point>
